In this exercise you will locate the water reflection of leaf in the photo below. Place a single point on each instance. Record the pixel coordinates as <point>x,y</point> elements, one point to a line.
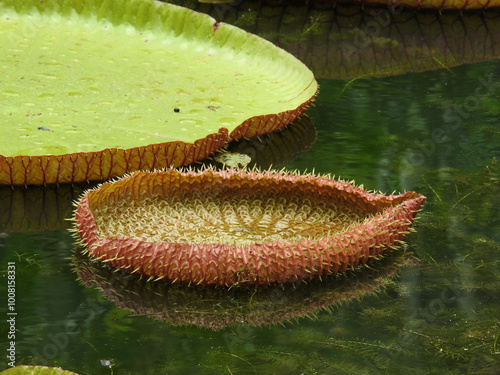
<point>273,149</point>
<point>36,208</point>
<point>217,308</point>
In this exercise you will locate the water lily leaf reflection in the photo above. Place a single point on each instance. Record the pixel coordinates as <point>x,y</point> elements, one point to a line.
<point>217,308</point>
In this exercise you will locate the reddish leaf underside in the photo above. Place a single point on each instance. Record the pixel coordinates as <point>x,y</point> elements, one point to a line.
<point>366,226</point>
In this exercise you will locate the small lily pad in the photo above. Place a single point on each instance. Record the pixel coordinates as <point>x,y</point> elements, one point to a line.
<point>239,228</point>
<point>92,90</point>
<point>233,160</point>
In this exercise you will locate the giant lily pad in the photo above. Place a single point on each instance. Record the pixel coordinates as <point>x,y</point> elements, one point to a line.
<point>91,90</point>
<point>239,228</point>
<point>342,41</point>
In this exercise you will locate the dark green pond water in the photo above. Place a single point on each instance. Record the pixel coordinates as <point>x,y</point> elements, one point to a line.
<point>431,307</point>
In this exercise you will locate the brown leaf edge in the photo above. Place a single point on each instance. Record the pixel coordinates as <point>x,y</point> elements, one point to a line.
<point>106,164</point>
<point>264,124</point>
<point>455,5</point>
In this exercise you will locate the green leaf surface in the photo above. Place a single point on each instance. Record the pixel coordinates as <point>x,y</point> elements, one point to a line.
<point>36,370</point>
<point>86,76</point>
